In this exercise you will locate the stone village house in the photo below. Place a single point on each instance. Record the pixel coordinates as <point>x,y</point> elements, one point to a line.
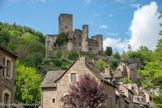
<point>56,84</point>
<point>7,77</point>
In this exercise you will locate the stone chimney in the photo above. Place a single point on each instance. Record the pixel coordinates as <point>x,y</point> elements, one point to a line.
<point>108,71</point>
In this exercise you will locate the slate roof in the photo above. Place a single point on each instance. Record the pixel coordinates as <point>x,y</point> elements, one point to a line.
<point>105,75</point>
<point>52,76</point>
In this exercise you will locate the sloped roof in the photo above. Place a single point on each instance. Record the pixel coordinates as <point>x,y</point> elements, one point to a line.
<point>6,50</point>
<point>51,77</point>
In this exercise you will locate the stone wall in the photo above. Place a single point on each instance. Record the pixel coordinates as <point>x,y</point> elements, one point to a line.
<point>7,82</point>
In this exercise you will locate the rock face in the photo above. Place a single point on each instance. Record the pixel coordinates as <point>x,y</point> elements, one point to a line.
<point>77,40</point>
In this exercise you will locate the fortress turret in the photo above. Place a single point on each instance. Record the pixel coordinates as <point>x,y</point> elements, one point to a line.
<point>65,23</point>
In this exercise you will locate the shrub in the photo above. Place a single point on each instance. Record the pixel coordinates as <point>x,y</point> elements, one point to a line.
<point>61,39</point>
<point>100,65</point>
<point>114,64</point>
<point>57,62</point>
<point>126,81</point>
<point>59,54</point>
<point>73,55</point>
<point>93,55</point>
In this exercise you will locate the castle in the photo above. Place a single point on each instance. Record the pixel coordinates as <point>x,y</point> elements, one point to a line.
<point>76,40</point>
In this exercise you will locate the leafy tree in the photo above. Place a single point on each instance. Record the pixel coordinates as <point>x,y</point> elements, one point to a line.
<point>61,39</point>
<point>57,62</point>
<point>126,81</point>
<point>114,64</point>
<point>31,93</point>
<point>4,37</point>
<point>108,51</point>
<point>33,59</point>
<point>86,93</point>
<point>124,56</point>
<point>100,65</point>
<point>116,55</point>
<point>73,55</point>
<point>143,53</point>
<point>151,75</point>
<point>129,48</point>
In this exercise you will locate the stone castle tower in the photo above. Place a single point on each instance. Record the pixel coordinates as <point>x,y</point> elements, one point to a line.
<point>65,23</point>
<point>77,40</point>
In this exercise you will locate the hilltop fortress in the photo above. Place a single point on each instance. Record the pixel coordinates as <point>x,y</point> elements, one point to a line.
<point>76,40</point>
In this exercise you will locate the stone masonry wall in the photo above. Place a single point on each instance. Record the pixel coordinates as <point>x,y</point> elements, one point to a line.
<point>7,83</point>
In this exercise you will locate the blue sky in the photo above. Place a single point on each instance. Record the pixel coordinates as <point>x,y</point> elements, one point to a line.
<point>115,19</point>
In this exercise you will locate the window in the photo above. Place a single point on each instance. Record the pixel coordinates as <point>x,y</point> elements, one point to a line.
<point>73,77</point>
<point>53,100</point>
<point>8,68</point>
<point>79,43</point>
<point>66,27</point>
<point>6,100</point>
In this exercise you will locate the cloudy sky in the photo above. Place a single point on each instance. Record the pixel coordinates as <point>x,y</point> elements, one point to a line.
<point>121,22</point>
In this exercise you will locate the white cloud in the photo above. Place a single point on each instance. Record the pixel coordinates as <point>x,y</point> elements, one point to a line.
<point>87,2</point>
<point>144,30</point>
<point>103,27</point>
<point>135,5</point>
<point>145,27</point>
<point>111,34</point>
<point>115,43</point>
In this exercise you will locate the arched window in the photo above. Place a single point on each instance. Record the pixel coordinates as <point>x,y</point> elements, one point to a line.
<point>6,100</point>
<point>6,96</point>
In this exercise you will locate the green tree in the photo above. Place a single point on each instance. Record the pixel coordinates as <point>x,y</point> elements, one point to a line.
<point>124,56</point>
<point>116,55</point>
<point>143,53</point>
<point>100,65</point>
<point>61,39</point>
<point>151,75</point>
<point>4,37</point>
<point>31,93</point>
<point>108,51</point>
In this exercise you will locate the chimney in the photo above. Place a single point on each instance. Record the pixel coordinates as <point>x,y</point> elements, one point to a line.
<point>108,71</point>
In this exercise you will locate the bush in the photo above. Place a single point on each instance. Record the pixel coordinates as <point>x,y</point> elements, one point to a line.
<point>100,65</point>
<point>114,64</point>
<point>61,39</point>
<point>126,81</point>
<point>93,55</point>
<point>57,62</point>
<point>73,55</point>
<point>81,53</point>
<point>59,54</point>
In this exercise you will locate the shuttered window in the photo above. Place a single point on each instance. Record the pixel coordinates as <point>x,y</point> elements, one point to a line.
<point>73,77</point>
